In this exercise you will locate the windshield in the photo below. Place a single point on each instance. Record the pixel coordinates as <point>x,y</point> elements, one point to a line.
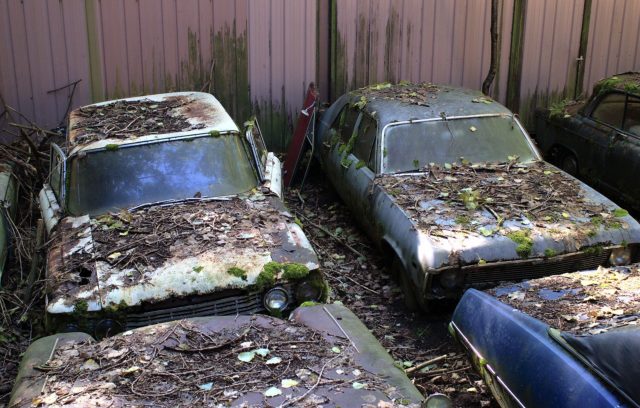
<point>129,176</point>
<point>411,146</point>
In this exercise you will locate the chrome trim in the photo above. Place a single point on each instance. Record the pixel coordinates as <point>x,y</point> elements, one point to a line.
<point>467,344</point>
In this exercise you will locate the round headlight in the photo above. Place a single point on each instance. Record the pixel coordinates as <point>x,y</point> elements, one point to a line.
<point>449,279</point>
<point>620,256</point>
<point>437,401</point>
<point>307,291</point>
<point>276,300</point>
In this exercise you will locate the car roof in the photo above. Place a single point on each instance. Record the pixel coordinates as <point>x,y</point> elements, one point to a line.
<point>195,113</point>
<point>626,82</point>
<point>410,101</point>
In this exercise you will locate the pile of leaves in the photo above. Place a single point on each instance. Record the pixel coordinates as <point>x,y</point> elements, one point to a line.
<point>359,278</point>
<point>479,198</point>
<point>123,119</point>
<point>150,236</point>
<point>589,302</point>
<point>405,92</point>
<point>260,362</point>
<point>627,82</point>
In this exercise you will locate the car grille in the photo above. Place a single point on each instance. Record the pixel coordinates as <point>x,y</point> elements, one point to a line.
<point>534,268</point>
<point>249,303</point>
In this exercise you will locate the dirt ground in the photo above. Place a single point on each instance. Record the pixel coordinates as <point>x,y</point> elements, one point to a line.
<point>358,277</point>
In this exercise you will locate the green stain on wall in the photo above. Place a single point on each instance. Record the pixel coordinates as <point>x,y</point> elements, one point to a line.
<point>95,58</point>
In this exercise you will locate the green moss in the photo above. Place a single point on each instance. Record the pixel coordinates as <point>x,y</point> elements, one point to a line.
<point>214,133</point>
<point>594,250</point>
<point>295,271</point>
<point>549,253</point>
<point>268,275</point>
<point>620,212</point>
<point>463,220</point>
<point>80,307</point>
<point>558,109</point>
<point>116,309</point>
<point>591,233</point>
<point>523,240</point>
<point>597,220</point>
<point>309,303</point>
<point>298,222</point>
<point>416,164</point>
<point>111,147</point>
<point>345,162</point>
<point>198,269</point>
<point>614,224</point>
<point>360,164</point>
<point>238,273</point>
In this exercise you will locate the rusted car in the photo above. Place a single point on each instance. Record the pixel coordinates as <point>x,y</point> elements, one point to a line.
<point>323,356</point>
<point>450,187</point>
<point>598,140</point>
<point>159,208</point>
<point>8,208</point>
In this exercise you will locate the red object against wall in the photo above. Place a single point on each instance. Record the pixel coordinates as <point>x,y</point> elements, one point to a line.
<point>297,142</point>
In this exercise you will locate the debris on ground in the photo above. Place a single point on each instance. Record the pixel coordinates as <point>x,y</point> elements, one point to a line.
<point>482,199</point>
<point>358,276</point>
<point>123,119</point>
<point>202,363</point>
<point>588,302</point>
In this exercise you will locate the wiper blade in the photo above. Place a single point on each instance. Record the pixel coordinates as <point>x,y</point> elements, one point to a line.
<point>174,201</point>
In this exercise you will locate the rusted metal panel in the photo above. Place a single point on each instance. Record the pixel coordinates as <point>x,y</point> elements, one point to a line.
<point>613,40</point>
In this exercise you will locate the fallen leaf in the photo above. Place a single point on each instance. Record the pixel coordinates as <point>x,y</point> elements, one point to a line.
<point>335,349</point>
<point>246,356</point>
<point>272,392</point>
<point>262,352</point>
<point>288,383</point>
<point>206,387</point>
<point>358,385</point>
<point>274,360</point>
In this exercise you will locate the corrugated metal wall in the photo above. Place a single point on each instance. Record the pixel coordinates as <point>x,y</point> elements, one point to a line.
<point>260,56</point>
<point>121,48</point>
<point>416,40</point>
<point>614,39</point>
<point>550,50</point>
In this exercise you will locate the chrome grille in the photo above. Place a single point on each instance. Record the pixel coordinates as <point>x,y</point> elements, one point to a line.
<point>241,304</point>
<point>534,268</point>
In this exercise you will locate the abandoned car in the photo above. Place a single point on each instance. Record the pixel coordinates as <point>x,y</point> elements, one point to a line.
<point>560,341</point>
<point>598,140</point>
<point>159,208</point>
<point>219,361</point>
<point>452,190</point>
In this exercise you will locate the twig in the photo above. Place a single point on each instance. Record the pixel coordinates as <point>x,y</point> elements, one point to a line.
<point>341,329</point>
<point>326,231</point>
<point>424,364</point>
<point>313,387</point>
<point>361,285</point>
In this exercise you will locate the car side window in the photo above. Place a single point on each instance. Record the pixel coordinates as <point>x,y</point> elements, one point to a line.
<point>610,110</point>
<point>56,171</point>
<point>632,116</point>
<point>345,123</point>
<point>363,148</point>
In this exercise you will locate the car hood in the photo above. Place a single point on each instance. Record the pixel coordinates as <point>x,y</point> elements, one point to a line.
<point>163,251</point>
<point>472,214</point>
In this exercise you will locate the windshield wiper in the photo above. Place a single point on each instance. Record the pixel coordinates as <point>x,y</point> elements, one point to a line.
<point>174,201</point>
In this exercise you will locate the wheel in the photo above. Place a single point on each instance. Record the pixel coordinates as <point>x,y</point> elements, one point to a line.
<point>569,164</point>
<point>412,300</point>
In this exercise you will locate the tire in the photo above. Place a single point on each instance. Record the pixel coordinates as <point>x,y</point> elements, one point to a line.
<point>412,301</point>
<point>569,164</point>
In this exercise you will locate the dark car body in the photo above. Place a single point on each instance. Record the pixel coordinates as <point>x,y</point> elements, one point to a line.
<point>598,140</point>
<point>449,185</point>
<point>363,371</point>
<point>181,217</point>
<point>527,363</point>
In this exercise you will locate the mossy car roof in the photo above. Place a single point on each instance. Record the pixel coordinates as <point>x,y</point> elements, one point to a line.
<point>453,101</point>
<point>626,82</point>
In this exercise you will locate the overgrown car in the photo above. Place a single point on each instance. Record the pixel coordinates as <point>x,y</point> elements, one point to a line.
<point>452,190</point>
<point>323,356</point>
<point>160,208</point>
<point>598,140</point>
<point>562,341</point>
<point>8,208</point>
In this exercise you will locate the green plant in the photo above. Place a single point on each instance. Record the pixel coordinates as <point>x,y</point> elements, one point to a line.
<point>524,243</point>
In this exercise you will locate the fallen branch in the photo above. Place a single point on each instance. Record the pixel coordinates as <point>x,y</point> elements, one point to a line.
<point>326,231</point>
<point>425,363</point>
<point>303,396</point>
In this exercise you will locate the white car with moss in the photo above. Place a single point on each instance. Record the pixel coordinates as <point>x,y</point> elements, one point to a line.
<point>159,208</point>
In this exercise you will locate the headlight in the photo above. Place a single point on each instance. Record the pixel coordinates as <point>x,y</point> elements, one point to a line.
<point>307,291</point>
<point>107,327</point>
<point>620,256</point>
<point>449,279</point>
<point>276,300</point>
<point>437,401</point>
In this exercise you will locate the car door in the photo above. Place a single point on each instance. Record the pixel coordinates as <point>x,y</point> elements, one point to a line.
<point>360,170</point>
<point>598,131</point>
<point>340,133</point>
<point>623,157</point>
